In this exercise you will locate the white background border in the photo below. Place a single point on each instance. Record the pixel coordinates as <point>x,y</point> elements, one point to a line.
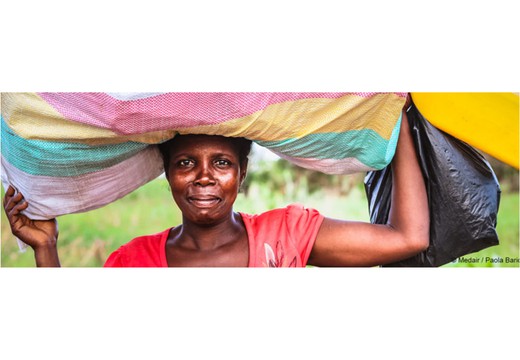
<point>266,46</point>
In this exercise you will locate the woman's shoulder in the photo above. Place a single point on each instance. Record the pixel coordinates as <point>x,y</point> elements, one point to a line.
<point>143,250</point>
<point>144,240</point>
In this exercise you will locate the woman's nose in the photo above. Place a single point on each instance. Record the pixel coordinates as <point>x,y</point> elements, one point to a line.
<point>204,176</point>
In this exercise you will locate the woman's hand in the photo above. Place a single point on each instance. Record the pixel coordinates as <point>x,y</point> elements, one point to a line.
<point>40,235</point>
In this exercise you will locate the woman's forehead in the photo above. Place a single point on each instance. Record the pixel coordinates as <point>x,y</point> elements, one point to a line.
<point>197,143</point>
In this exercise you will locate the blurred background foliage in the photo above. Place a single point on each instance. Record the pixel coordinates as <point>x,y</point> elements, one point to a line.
<point>87,239</point>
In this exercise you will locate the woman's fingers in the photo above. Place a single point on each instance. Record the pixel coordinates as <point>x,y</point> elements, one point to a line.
<point>17,208</point>
<point>8,194</point>
<point>12,201</point>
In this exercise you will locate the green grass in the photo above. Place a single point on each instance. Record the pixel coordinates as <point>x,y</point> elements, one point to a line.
<point>87,239</point>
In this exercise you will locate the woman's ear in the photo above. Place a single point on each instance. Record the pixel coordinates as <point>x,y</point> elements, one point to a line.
<point>243,171</point>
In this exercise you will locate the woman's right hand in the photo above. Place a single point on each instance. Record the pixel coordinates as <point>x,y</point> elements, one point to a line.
<point>40,235</point>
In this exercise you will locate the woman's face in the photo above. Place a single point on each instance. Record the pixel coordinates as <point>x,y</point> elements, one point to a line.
<point>205,176</point>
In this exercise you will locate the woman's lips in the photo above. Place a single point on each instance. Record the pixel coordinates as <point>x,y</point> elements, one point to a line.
<point>203,201</point>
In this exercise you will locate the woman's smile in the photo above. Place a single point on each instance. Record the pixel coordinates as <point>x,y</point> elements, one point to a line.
<point>204,201</point>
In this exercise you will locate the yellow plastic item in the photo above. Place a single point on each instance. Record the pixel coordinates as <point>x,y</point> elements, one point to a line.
<point>486,121</point>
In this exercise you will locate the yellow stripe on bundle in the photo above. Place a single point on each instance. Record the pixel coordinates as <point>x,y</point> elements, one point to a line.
<point>30,117</point>
<point>296,119</point>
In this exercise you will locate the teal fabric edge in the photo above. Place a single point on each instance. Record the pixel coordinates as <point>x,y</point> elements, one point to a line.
<point>61,159</point>
<point>392,143</point>
<point>366,145</point>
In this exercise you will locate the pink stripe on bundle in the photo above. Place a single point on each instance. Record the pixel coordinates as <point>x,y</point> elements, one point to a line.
<point>169,110</point>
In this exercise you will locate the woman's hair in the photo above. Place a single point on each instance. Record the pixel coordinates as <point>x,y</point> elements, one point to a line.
<point>241,145</point>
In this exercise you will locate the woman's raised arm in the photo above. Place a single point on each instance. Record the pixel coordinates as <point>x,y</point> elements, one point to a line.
<point>348,243</point>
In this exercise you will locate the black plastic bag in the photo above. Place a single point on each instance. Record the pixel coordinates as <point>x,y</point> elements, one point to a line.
<point>463,195</point>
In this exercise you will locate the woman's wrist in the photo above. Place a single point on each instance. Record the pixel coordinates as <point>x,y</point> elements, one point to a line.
<point>47,255</point>
<point>48,244</point>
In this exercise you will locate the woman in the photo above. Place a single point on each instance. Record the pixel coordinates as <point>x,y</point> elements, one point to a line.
<point>205,174</point>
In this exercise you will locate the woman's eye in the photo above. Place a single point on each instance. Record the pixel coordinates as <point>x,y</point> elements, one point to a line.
<point>222,162</point>
<point>185,163</point>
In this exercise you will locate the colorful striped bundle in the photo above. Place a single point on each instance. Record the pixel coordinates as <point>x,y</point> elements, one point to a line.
<point>73,152</point>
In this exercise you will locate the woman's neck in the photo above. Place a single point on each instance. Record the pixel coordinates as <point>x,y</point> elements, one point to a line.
<point>210,236</point>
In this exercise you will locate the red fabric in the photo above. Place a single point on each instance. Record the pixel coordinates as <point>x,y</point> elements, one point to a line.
<point>277,238</point>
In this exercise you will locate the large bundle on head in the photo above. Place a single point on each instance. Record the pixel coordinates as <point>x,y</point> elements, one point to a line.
<point>73,152</point>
